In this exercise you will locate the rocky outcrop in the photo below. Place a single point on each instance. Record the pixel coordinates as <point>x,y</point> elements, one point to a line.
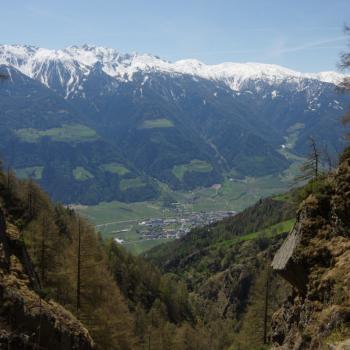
<point>27,321</point>
<point>315,259</point>
<point>286,263</point>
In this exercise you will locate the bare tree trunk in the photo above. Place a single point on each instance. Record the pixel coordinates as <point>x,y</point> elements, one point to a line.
<point>266,305</point>
<point>8,179</point>
<point>43,252</point>
<point>315,156</point>
<point>78,268</point>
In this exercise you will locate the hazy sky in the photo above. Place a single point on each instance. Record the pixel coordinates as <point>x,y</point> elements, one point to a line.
<point>306,35</point>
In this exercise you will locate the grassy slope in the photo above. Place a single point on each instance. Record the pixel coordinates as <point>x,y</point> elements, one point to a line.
<point>81,174</point>
<point>33,172</point>
<point>125,184</point>
<point>67,133</point>
<point>114,168</point>
<point>157,123</point>
<point>195,165</point>
<point>268,232</point>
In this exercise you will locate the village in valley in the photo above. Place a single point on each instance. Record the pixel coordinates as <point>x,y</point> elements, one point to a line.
<point>171,228</point>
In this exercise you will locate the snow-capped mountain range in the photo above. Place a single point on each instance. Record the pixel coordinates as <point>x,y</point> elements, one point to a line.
<point>77,62</point>
<point>92,124</point>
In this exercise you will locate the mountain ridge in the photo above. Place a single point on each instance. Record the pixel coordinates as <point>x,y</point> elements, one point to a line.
<point>81,59</point>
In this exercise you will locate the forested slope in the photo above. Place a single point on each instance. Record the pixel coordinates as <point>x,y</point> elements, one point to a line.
<point>123,301</point>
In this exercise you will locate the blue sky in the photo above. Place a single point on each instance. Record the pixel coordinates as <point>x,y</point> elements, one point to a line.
<point>305,35</point>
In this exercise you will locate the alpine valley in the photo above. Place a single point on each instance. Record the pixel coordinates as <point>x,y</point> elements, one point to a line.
<point>91,124</point>
<point>136,140</point>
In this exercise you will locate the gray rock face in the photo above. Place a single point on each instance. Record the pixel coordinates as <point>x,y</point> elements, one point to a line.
<point>285,262</point>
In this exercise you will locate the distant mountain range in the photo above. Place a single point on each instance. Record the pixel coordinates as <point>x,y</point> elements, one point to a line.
<point>91,124</point>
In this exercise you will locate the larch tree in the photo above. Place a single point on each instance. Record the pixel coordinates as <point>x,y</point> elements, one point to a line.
<point>310,169</point>
<point>345,83</point>
<point>98,300</point>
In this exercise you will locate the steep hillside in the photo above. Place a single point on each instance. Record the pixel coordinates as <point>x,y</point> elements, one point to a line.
<point>45,138</point>
<point>315,260</point>
<point>226,268</point>
<point>27,321</point>
<point>140,118</point>
<point>61,267</point>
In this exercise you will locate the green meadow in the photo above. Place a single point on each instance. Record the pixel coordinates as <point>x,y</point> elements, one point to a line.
<point>114,168</point>
<point>157,123</point>
<point>81,174</point>
<point>199,166</point>
<point>67,133</point>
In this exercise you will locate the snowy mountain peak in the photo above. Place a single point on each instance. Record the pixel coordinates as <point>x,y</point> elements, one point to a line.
<point>64,68</point>
<point>328,77</point>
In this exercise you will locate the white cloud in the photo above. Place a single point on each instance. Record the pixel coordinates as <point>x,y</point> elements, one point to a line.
<point>281,48</point>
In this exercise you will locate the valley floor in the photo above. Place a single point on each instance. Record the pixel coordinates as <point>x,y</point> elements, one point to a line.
<point>140,226</point>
